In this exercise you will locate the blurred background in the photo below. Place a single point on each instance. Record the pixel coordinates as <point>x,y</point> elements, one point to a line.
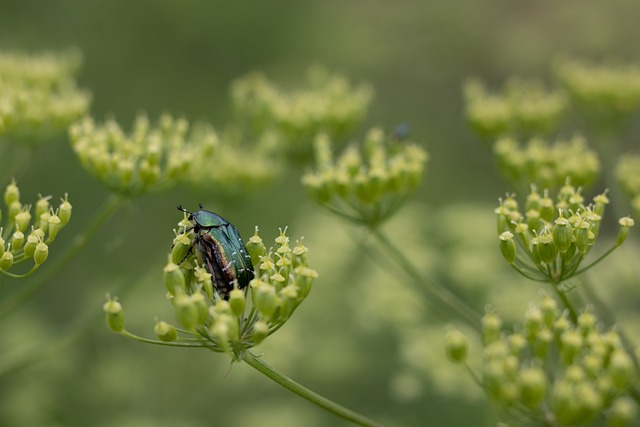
<point>360,338</point>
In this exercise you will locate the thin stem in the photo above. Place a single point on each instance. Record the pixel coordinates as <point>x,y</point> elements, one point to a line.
<point>565,301</point>
<point>75,246</point>
<point>313,397</point>
<point>450,300</point>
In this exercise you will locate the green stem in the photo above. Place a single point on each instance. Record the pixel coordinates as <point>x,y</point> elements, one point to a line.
<point>313,397</point>
<point>565,301</point>
<point>450,300</point>
<point>75,246</point>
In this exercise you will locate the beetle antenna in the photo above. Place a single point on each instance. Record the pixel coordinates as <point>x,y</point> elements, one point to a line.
<point>181,209</point>
<point>201,205</point>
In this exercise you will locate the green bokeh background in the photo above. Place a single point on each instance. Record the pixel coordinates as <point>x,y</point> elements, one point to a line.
<point>361,338</point>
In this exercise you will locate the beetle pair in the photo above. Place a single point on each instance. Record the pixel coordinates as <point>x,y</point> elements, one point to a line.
<point>221,250</point>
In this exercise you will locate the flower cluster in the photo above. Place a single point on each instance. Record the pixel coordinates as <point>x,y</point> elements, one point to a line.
<point>547,165</point>
<point>552,370</point>
<point>604,93</point>
<point>551,239</point>
<point>329,103</point>
<point>366,187</point>
<point>524,107</point>
<point>282,281</point>
<point>240,164</point>
<point>38,95</point>
<point>42,229</point>
<point>628,174</point>
<point>148,159</point>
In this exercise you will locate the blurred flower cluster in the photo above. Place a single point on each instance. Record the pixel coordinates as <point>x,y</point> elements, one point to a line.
<point>606,93</point>
<point>38,94</point>
<point>150,158</point>
<point>552,371</point>
<point>282,281</point>
<point>547,164</point>
<point>25,236</point>
<point>628,174</point>
<point>366,186</point>
<point>523,108</point>
<point>330,103</point>
<point>549,241</point>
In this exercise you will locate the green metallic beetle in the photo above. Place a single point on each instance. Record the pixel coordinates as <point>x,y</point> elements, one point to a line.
<point>221,250</point>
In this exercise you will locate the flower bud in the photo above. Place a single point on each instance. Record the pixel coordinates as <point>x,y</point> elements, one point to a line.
<point>456,346</point>
<point>22,219</point>
<point>621,369</point>
<point>304,277</point>
<point>547,250</point>
<point>265,299</point>
<point>64,211</point>
<point>17,241</point>
<point>2,243</point>
<point>41,253</point>
<point>508,246</point>
<point>180,249</point>
<point>42,206</point>
<point>30,246</point>
<point>11,193</point>
<point>6,261</point>
<point>570,344</point>
<point>491,325</point>
<point>256,247</point>
<point>260,331</point>
<point>186,311</point>
<point>549,309</point>
<point>625,223</point>
<point>55,224</point>
<point>582,236</point>
<point>173,278</point>
<point>533,386</point>
<point>562,234</point>
<point>165,332</point>
<point>623,411</point>
<point>237,302</point>
<point>115,315</point>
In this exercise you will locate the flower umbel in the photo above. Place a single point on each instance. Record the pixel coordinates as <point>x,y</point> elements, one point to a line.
<point>549,241</point>
<point>553,369</point>
<point>282,281</point>
<point>24,236</point>
<point>150,158</point>
<point>366,186</point>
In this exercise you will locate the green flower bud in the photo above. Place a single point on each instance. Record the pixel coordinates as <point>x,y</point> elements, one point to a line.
<point>625,224</point>
<point>621,369</point>
<point>491,325</point>
<point>562,234</point>
<point>517,343</point>
<point>55,224</point>
<point>265,298</point>
<point>115,315</point>
<point>623,411</point>
<point>508,246</point>
<point>533,322</point>
<point>582,236</point>
<point>601,201</point>
<point>42,206</point>
<point>237,301</point>
<point>546,208</point>
<point>255,247</point>
<point>41,253</point>
<point>180,249</point>
<point>541,345</point>
<point>44,221</point>
<point>30,246</point>
<point>17,241</point>
<point>2,243</point>
<point>220,330</point>
<point>14,209</point>
<point>564,403</point>
<point>456,346</point>
<point>260,331</point>
<point>165,332</point>
<point>570,344</point>
<point>186,311</point>
<point>11,193</point>
<point>6,261</point>
<point>173,278</point>
<point>22,219</point>
<point>549,308</point>
<point>533,386</point>
<point>546,248</point>
<point>586,322</point>
<point>64,211</point>
<point>533,220</point>
<point>202,308</point>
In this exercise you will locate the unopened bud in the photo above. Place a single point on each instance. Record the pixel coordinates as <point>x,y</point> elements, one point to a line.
<point>115,315</point>
<point>6,261</point>
<point>533,385</point>
<point>456,346</point>
<point>508,246</point>
<point>41,253</point>
<point>173,278</point>
<point>165,332</point>
<point>64,211</point>
<point>625,224</point>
